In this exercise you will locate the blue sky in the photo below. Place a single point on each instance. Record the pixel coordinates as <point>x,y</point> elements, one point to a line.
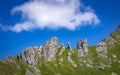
<point>21,26</point>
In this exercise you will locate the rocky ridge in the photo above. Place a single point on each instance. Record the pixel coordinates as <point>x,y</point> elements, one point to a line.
<point>113,38</point>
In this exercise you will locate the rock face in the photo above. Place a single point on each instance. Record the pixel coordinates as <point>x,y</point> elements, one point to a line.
<point>47,52</point>
<point>82,48</point>
<point>50,49</point>
<point>39,51</point>
<point>102,50</point>
<point>28,56</point>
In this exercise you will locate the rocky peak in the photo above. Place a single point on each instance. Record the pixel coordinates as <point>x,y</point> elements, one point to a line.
<point>82,48</point>
<point>50,49</point>
<point>28,56</point>
<point>47,52</point>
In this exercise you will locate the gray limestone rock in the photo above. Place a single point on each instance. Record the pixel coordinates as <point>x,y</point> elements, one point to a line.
<point>62,49</point>
<point>102,50</point>
<point>36,71</point>
<point>102,46</point>
<point>70,60</point>
<point>82,48</point>
<point>100,68</point>
<point>28,72</point>
<point>28,56</point>
<point>50,49</point>
<point>113,73</point>
<point>39,51</point>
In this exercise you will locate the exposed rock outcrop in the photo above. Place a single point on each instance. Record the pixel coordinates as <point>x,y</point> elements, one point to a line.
<point>39,51</point>
<point>28,72</point>
<point>28,56</point>
<point>101,47</point>
<point>82,48</point>
<point>35,72</point>
<point>62,49</point>
<point>50,49</point>
<point>113,73</point>
<point>86,62</point>
<point>70,60</point>
<point>47,52</point>
<point>102,50</point>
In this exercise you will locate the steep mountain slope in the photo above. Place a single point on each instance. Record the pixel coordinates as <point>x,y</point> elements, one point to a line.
<point>52,59</point>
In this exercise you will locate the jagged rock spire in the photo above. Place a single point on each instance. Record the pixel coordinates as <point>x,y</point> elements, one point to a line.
<point>49,50</point>
<point>82,48</point>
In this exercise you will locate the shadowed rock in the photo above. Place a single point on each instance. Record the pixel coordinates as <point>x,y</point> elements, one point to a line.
<point>82,48</point>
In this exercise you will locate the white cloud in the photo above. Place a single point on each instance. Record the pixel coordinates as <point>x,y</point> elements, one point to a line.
<point>54,14</point>
<point>23,26</point>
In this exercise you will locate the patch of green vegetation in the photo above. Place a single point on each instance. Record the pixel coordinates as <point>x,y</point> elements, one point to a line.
<point>114,51</point>
<point>16,67</point>
<point>74,56</point>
